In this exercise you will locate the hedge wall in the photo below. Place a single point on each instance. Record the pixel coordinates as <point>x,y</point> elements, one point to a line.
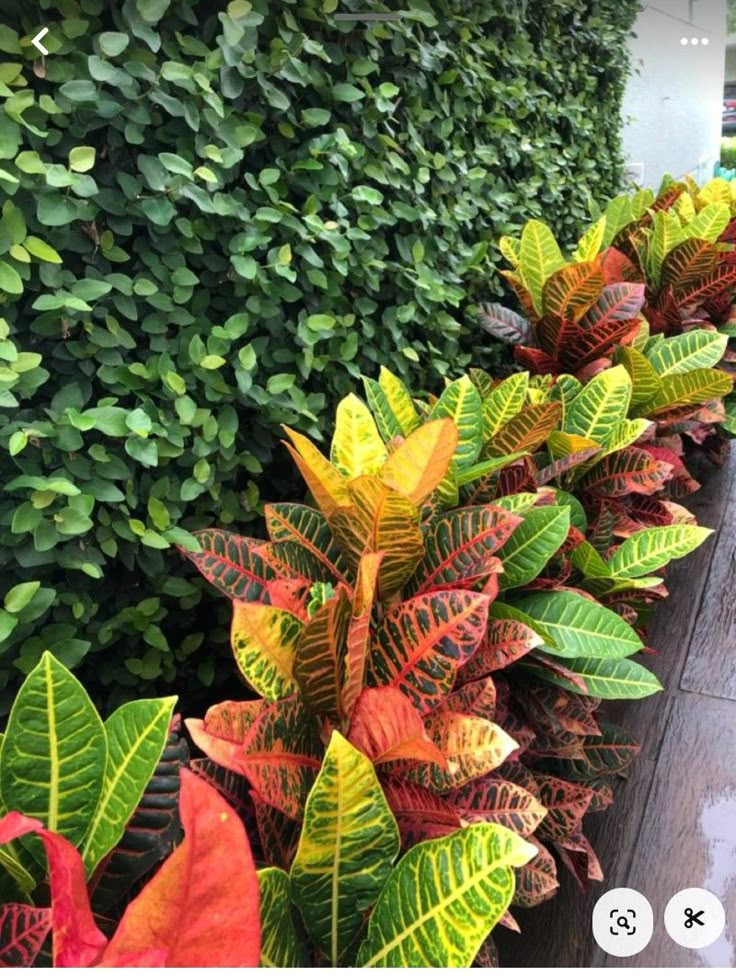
<point>216,217</point>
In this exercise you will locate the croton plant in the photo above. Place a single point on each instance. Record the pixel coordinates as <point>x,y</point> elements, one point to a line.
<point>472,579</point>
<point>650,285</point>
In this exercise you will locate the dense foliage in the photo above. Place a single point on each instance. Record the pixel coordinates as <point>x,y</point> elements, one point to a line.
<point>475,577</point>
<point>217,216</point>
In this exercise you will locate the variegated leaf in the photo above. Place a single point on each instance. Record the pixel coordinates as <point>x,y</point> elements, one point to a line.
<point>301,538</point>
<point>528,430</point>
<point>464,882</point>
<point>691,350</point>
<point>630,470</point>
<point>379,519</point>
<point>457,546</point>
<point>420,643</point>
<point>264,640</point>
<point>419,812</point>
<point>607,678</point>
<point>275,745</point>
<point>533,544</point>
<point>380,406</point>
<point>358,637</point>
<point>471,746</point>
<point>645,382</point>
<point>688,263</point>
<point>461,403</point>
<point>419,463</point>
<point>689,389</point>
<point>618,302</point>
<point>601,404</point>
<point>399,401</point>
<point>539,257</point>
<point>495,800</point>
<point>590,243</point>
<point>232,563</point>
<point>327,484</point>
<point>319,656</point>
<point>648,550</point>
<point>536,881</point>
<point>357,447</point>
<point>505,642</point>
<point>281,945</point>
<point>386,727</point>
<point>571,291</point>
<point>348,844</point>
<point>503,403</point>
<point>504,324</point>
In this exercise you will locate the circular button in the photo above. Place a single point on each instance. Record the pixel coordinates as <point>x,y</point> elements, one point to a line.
<point>694,918</point>
<point>623,922</point>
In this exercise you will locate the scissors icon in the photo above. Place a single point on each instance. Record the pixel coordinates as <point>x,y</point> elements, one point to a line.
<point>693,918</point>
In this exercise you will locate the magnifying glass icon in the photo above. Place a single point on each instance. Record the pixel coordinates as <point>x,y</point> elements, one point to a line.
<point>622,922</point>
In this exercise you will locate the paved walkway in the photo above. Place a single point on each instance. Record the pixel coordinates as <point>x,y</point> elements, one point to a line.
<point>673,825</point>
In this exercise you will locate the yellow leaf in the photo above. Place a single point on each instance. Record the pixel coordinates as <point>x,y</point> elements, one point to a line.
<point>326,483</point>
<point>357,447</point>
<point>419,464</point>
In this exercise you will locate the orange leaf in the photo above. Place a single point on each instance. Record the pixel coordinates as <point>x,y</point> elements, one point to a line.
<point>358,640</point>
<point>203,905</point>
<point>419,464</point>
<point>386,726</point>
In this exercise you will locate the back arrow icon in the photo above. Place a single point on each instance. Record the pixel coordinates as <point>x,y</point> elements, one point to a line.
<point>36,41</point>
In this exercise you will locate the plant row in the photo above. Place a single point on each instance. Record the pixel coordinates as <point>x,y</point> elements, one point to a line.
<point>429,641</point>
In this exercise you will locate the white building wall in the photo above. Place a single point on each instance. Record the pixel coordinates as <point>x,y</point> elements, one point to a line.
<point>674,102</point>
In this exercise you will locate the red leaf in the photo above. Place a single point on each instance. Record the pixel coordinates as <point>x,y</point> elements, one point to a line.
<point>14,825</point>
<point>629,470</point>
<point>274,744</point>
<point>358,638</point>
<point>420,813</point>
<point>616,267</point>
<point>23,930</point>
<point>203,905</point>
<point>505,642</point>
<point>566,804</point>
<point>535,360</point>
<point>386,726</point>
<point>536,881</point>
<point>494,799</point>
<point>475,698</point>
<point>231,562</point>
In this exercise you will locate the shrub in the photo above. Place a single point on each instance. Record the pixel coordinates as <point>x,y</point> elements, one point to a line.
<point>728,153</point>
<point>216,220</point>
<point>451,614</point>
<point>647,269</point>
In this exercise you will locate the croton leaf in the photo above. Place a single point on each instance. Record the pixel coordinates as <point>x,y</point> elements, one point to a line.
<point>23,931</point>
<point>533,544</point>
<point>689,263</point>
<point>471,747</point>
<point>348,844</point>
<point>604,677</point>
<point>536,881</point>
<point>301,538</point>
<point>606,754</point>
<point>528,430</point>
<point>264,640</point>
<point>420,813</point>
<point>379,519</point>
<point>281,945</point>
<point>319,656</point>
<point>581,627</point>
<point>601,403</point>
<point>631,470</point>
<point>569,292</point>
<point>687,295</point>
<point>539,257</point>
<point>386,727</point>
<point>495,800</point>
<point>689,389</point>
<point>380,406</point>
<point>648,550</point>
<point>418,465</point>
<point>463,884</point>
<point>327,484</point>
<point>275,745</point>
<point>505,642</point>
<point>202,905</point>
<point>591,241</point>
<point>460,401</point>
<point>277,833</point>
<point>231,562</point>
<point>420,643</point>
<point>359,634</point>
<point>357,447</point>
<point>696,349</point>
<point>645,381</point>
<point>399,400</point>
<point>136,735</point>
<point>618,302</point>
<point>457,546</point>
<point>566,804</point>
<point>503,403</point>
<point>506,325</point>
<point>584,347</point>
<point>53,753</point>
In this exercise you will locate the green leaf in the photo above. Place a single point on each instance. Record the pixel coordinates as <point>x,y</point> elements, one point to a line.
<point>112,43</point>
<point>444,897</point>
<point>345,92</point>
<point>52,760</point>
<point>82,159</point>
<point>281,946</point>
<point>691,350</point>
<point>539,257</point>
<point>10,281</point>
<point>581,627</point>
<point>348,844</point>
<point>21,595</point>
<point>648,550</point>
<point>461,402</point>
<point>608,678</point>
<point>503,403</point>
<point>600,405</point>
<point>533,544</point>
<point>41,250</point>
<point>136,735</point>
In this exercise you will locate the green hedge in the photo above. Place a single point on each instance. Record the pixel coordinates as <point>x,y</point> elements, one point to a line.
<point>217,218</point>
